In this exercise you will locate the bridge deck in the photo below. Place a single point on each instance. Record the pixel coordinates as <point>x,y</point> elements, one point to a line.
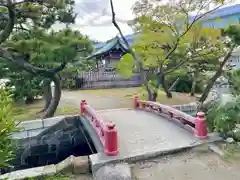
<point>141,132</point>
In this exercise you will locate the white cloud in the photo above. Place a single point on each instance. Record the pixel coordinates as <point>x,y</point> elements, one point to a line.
<point>94,17</point>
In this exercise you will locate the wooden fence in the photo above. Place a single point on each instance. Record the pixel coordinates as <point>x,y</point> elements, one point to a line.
<point>98,80</point>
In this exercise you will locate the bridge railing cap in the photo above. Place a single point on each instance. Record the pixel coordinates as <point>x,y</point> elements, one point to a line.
<point>201,114</point>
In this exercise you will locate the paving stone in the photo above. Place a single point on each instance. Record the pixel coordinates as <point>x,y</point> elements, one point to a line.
<point>49,170</point>
<point>65,165</point>
<point>52,121</point>
<point>33,172</point>
<point>113,172</point>
<point>34,132</point>
<point>81,165</point>
<point>20,135</point>
<point>28,125</point>
<point>5,176</point>
<point>39,149</point>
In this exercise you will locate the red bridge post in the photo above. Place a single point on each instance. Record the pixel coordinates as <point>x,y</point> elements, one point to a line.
<point>82,104</point>
<point>136,102</point>
<point>201,126</point>
<point>110,140</point>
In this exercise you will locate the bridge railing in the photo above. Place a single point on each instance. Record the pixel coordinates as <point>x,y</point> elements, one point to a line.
<point>196,124</point>
<point>106,131</point>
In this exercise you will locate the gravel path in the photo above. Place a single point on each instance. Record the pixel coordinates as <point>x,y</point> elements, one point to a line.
<point>182,166</point>
<point>71,98</point>
<point>187,166</point>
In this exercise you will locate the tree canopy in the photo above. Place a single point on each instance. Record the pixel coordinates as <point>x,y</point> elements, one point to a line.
<point>27,44</point>
<point>171,38</point>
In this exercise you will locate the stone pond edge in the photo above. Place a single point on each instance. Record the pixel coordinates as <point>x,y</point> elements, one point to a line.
<point>72,164</point>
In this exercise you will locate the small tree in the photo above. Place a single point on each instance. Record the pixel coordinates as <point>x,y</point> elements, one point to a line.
<point>171,19</point>
<point>46,51</point>
<point>231,40</point>
<point>23,16</point>
<point>7,127</point>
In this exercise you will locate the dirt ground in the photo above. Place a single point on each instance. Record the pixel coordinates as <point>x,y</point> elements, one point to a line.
<point>117,98</point>
<point>190,165</point>
<point>187,166</point>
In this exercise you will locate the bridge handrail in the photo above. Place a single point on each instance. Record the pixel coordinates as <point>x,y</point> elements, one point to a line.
<point>106,131</point>
<point>172,110</point>
<point>196,124</point>
<point>96,121</point>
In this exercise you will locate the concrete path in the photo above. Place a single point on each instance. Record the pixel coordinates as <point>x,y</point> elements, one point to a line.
<point>141,132</point>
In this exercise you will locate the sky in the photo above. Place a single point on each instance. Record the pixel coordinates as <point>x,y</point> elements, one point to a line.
<point>94,18</point>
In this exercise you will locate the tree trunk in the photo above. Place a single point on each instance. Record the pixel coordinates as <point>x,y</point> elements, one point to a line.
<point>47,94</point>
<point>165,87</point>
<point>55,99</point>
<point>29,99</point>
<point>154,96</point>
<point>193,88</point>
<point>174,84</point>
<point>213,79</point>
<point>194,83</point>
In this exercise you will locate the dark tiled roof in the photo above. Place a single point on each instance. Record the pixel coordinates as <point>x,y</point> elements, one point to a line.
<point>108,46</point>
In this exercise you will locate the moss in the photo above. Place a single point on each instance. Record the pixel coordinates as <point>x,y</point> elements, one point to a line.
<point>53,177</point>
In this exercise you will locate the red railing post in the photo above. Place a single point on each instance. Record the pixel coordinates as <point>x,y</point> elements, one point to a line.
<point>110,140</point>
<point>201,126</point>
<point>135,102</point>
<point>82,104</point>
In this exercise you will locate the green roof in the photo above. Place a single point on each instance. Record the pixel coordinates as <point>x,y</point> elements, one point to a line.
<point>109,46</point>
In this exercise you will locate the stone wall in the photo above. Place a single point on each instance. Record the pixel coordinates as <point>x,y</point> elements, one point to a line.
<point>44,142</point>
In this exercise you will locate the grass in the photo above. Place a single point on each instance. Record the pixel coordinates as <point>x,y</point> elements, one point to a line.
<point>29,112</point>
<point>128,93</point>
<point>23,112</point>
<point>53,177</point>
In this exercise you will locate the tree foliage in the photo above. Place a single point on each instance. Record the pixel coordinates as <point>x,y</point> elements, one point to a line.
<point>170,38</point>
<point>31,48</point>
<point>224,117</point>
<point>7,127</point>
<point>234,81</point>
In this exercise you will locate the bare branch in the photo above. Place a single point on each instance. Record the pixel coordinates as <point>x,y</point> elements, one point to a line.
<point>138,62</point>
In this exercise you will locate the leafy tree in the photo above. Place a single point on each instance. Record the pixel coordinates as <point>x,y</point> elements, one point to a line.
<point>23,17</point>
<point>7,127</point>
<point>47,50</point>
<point>234,80</point>
<point>165,26</point>
<point>208,48</point>
<point>231,37</point>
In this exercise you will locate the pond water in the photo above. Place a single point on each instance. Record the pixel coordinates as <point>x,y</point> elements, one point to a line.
<point>53,145</point>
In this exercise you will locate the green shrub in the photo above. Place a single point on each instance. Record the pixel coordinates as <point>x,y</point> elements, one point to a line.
<point>68,78</point>
<point>234,80</point>
<point>224,117</point>
<point>184,83</point>
<point>26,86</point>
<point>7,127</point>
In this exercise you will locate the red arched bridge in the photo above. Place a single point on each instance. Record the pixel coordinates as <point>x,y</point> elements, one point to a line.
<point>148,127</point>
